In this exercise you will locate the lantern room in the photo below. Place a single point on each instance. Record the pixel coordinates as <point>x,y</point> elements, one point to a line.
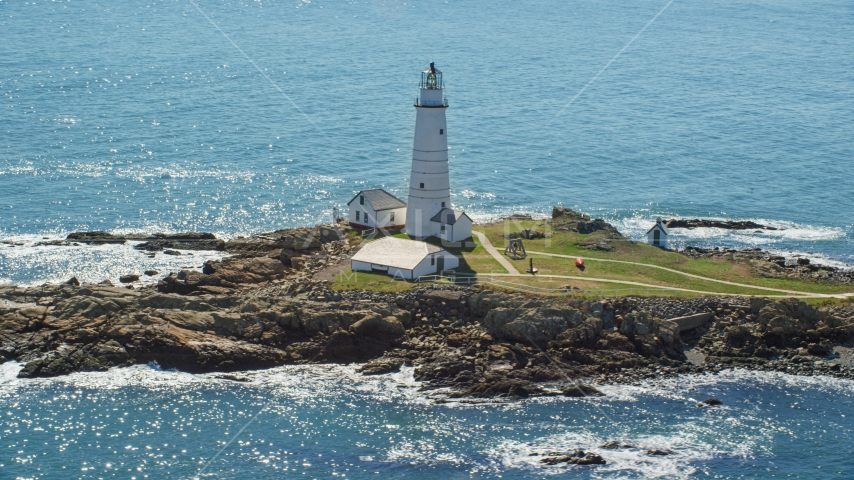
<point>432,78</point>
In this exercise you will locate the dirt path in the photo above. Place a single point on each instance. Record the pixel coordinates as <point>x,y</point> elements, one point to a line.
<point>495,254</point>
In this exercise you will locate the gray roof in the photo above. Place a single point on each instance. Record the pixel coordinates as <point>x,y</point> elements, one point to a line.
<point>395,252</point>
<point>380,199</point>
<point>660,224</point>
<point>448,216</point>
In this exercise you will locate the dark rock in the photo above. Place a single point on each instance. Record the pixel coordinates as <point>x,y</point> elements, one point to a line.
<point>171,252</point>
<point>95,238</point>
<point>503,388</point>
<point>711,402</point>
<point>724,224</point>
<point>73,281</point>
<point>129,278</point>
<point>578,457</point>
<point>581,391</point>
<point>381,366</point>
<point>662,452</point>
<point>615,445</point>
<point>151,273</point>
<point>232,377</point>
<point>184,242</point>
<point>566,219</point>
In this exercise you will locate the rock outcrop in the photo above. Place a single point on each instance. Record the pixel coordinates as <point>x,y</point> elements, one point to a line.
<point>724,224</point>
<point>462,342</point>
<point>567,219</point>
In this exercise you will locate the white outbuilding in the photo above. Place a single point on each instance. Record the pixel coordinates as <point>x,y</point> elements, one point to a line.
<point>377,209</point>
<point>657,235</point>
<point>451,225</point>
<point>407,259</point>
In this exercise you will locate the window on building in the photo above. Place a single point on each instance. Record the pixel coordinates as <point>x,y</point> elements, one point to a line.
<point>441,131</point>
<point>432,260</point>
<point>391,218</point>
<point>361,199</point>
<point>357,215</point>
<point>443,204</point>
<point>422,185</point>
<point>442,229</point>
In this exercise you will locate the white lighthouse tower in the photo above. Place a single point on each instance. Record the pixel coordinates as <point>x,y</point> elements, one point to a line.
<point>429,189</point>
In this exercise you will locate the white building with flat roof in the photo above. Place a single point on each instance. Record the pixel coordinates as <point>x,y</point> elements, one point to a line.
<point>401,258</point>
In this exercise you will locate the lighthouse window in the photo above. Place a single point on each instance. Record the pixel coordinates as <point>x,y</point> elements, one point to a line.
<point>391,217</point>
<point>357,215</point>
<point>443,204</point>
<point>361,200</point>
<point>422,185</point>
<point>441,131</point>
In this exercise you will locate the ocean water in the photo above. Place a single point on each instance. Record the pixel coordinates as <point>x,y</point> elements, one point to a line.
<point>239,117</point>
<point>322,422</point>
<point>245,116</point>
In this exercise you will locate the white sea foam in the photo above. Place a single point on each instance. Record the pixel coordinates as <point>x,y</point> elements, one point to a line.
<point>30,264</point>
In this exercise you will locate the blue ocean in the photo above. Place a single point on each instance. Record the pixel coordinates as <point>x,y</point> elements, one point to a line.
<point>330,422</point>
<point>239,117</point>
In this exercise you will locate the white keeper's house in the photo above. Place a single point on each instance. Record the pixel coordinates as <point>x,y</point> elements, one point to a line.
<point>376,208</point>
<point>401,258</point>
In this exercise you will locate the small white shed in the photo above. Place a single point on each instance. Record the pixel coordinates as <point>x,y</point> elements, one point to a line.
<point>376,208</point>
<point>451,225</point>
<point>657,235</point>
<point>408,259</point>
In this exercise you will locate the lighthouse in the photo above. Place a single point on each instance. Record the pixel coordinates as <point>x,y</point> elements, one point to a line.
<point>429,188</point>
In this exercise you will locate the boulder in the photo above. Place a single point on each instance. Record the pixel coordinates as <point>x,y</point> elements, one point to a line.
<point>580,391</point>
<point>388,329</point>
<point>236,270</point>
<point>129,278</point>
<point>381,366</point>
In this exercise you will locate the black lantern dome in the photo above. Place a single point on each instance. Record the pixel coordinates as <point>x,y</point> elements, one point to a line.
<point>432,78</point>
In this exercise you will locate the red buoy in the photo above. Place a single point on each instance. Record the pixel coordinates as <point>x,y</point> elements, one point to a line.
<point>579,263</point>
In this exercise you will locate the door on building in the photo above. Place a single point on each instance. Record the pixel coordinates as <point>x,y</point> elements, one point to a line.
<point>440,263</point>
<point>656,238</point>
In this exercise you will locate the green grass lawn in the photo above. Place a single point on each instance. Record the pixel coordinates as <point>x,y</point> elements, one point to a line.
<point>571,243</point>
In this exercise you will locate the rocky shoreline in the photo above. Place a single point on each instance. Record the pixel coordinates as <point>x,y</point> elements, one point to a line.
<point>463,342</point>
<point>770,265</point>
<point>269,304</point>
